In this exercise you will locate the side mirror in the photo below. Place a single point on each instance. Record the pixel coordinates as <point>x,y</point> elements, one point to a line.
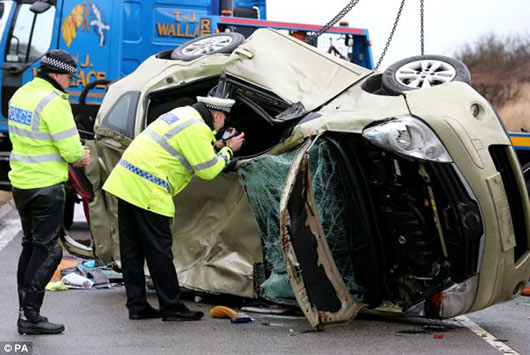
<point>39,7</point>
<point>348,41</point>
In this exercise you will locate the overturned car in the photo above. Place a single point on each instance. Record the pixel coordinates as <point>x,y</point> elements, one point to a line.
<point>352,188</point>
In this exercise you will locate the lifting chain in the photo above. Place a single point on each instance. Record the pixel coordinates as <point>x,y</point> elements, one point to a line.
<point>351,5</point>
<point>333,21</point>
<point>391,34</point>
<point>422,35</point>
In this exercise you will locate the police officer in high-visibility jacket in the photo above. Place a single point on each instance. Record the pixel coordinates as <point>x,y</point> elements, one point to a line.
<point>45,139</point>
<point>157,165</point>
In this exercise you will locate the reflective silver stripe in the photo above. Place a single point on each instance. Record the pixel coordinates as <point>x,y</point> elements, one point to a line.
<point>181,127</point>
<point>206,165</point>
<point>35,124</point>
<point>36,158</point>
<point>42,135</point>
<point>30,134</point>
<point>64,134</point>
<point>164,144</point>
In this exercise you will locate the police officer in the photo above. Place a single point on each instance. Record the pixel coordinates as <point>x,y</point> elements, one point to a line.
<point>45,140</point>
<point>157,165</point>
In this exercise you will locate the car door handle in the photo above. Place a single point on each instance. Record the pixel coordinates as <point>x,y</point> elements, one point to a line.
<point>109,143</point>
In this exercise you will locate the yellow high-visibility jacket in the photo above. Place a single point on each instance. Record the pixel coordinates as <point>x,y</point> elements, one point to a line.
<point>162,159</point>
<point>44,136</point>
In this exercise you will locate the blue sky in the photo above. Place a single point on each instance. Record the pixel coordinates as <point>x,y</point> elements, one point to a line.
<point>449,24</point>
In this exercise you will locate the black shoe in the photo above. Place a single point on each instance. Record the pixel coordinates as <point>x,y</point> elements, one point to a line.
<point>148,313</point>
<point>41,327</point>
<point>41,318</point>
<point>183,315</point>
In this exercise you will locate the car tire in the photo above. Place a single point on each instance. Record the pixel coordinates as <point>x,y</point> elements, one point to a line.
<point>421,72</point>
<point>526,174</point>
<point>217,43</point>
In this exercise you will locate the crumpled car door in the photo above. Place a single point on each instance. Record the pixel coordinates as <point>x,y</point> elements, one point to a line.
<point>315,279</point>
<point>113,134</point>
<point>268,57</point>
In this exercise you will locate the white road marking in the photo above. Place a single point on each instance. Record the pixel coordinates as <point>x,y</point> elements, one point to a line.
<point>9,224</point>
<point>488,337</point>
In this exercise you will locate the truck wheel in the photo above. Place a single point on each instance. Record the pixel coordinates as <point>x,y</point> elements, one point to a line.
<point>218,43</point>
<point>422,72</point>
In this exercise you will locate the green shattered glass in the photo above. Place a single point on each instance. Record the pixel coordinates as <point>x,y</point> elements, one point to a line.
<point>263,180</point>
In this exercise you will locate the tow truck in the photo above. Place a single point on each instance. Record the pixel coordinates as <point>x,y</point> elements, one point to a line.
<point>110,39</point>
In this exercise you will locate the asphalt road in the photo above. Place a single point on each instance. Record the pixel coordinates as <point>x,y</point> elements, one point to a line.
<point>96,323</point>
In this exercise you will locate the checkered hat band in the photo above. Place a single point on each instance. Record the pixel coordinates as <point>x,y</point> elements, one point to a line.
<point>59,65</point>
<point>144,174</point>
<point>218,108</point>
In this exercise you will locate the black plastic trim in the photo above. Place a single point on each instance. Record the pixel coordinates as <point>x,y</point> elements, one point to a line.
<point>499,154</point>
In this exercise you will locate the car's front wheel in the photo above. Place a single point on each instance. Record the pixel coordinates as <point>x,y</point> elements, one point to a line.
<point>526,174</point>
<point>218,43</point>
<point>422,72</point>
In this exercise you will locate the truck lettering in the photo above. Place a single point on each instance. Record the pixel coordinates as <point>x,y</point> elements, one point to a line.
<point>191,17</point>
<point>84,79</point>
<point>177,15</point>
<point>88,77</point>
<point>206,26</point>
<point>87,61</point>
<point>186,26</point>
<point>164,29</point>
<point>186,31</point>
<point>180,31</point>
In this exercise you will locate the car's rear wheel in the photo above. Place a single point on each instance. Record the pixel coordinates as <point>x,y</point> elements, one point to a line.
<point>422,72</point>
<point>218,43</point>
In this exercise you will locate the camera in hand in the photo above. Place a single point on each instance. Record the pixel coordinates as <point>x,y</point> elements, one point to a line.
<point>229,133</point>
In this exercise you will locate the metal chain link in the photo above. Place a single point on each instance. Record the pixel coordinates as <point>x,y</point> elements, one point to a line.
<point>391,35</point>
<point>422,34</point>
<point>333,21</point>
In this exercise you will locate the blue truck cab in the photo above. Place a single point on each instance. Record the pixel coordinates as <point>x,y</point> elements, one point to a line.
<point>109,39</point>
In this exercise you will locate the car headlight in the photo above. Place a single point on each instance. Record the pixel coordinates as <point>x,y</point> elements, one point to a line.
<point>408,136</point>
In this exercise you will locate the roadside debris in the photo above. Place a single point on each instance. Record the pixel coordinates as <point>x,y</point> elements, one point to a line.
<point>223,312</point>
<point>56,286</point>
<point>64,264</point>
<point>267,310</point>
<point>526,291</point>
<point>85,275</point>
<point>74,280</point>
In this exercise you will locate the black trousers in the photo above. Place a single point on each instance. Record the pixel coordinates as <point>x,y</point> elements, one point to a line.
<point>41,213</point>
<point>146,235</point>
